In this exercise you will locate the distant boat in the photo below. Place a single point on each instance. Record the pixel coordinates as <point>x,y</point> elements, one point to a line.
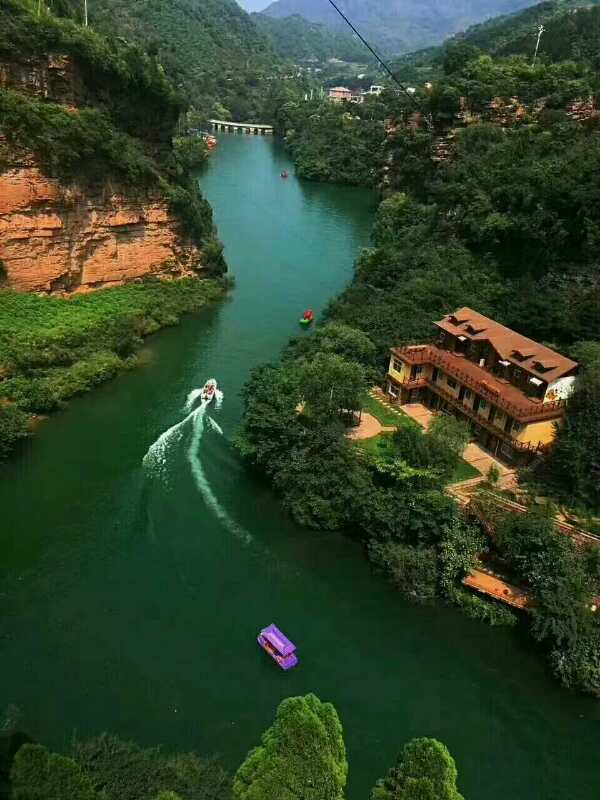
<point>308,317</point>
<point>278,646</point>
<point>285,174</point>
<point>209,390</point>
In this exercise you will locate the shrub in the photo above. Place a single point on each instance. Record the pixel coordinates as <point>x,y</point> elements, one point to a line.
<point>488,611</point>
<point>37,774</point>
<point>413,570</point>
<point>13,426</point>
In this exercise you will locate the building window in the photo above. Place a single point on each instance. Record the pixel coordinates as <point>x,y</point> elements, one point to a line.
<point>451,383</point>
<point>467,394</point>
<point>416,372</point>
<point>397,365</point>
<point>483,403</point>
<point>435,374</point>
<point>517,427</point>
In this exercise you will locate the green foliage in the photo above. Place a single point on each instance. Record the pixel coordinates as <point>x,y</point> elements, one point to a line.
<point>212,49</point>
<point>121,770</point>
<point>81,145</point>
<point>52,348</point>
<point>129,85</point>
<point>13,426</point>
<point>191,152</point>
<point>413,570</point>
<point>459,550</point>
<point>296,38</point>
<point>483,610</point>
<point>302,756</point>
<point>336,143</point>
<point>39,775</point>
<point>425,770</point>
<point>573,465</point>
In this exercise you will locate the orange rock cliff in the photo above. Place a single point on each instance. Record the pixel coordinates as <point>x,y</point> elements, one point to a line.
<point>57,238</point>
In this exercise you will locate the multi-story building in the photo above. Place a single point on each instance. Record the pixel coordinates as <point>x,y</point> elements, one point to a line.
<point>511,389</point>
<point>338,94</point>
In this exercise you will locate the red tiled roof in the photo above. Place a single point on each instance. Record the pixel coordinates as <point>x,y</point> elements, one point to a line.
<point>509,344</point>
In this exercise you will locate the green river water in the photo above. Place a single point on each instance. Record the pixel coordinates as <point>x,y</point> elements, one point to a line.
<point>131,595</point>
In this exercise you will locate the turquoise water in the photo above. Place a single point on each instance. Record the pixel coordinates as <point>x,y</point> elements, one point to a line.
<point>131,595</point>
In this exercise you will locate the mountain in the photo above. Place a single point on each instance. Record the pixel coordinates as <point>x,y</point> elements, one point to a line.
<point>297,39</point>
<point>572,31</point>
<point>397,26</point>
<point>211,49</point>
<point>92,192</point>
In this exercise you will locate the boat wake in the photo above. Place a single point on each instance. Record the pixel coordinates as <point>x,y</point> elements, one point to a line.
<point>156,458</point>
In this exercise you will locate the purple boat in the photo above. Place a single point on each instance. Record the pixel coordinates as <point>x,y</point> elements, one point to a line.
<point>278,646</point>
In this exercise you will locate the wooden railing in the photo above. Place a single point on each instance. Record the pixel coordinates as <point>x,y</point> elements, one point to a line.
<point>525,411</point>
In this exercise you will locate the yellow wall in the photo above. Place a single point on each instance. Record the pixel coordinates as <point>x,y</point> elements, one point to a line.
<point>399,376</point>
<point>538,432</point>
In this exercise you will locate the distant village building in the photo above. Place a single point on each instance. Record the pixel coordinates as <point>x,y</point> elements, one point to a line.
<point>339,94</point>
<point>511,390</point>
<point>374,90</point>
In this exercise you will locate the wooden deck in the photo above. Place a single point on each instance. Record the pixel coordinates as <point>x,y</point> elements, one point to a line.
<point>498,589</point>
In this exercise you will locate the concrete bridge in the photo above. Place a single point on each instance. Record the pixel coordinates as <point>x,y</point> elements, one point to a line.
<point>240,127</point>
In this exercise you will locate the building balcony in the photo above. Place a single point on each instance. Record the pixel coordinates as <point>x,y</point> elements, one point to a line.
<point>496,391</point>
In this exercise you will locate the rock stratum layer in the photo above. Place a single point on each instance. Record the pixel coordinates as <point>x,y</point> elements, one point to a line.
<point>56,238</point>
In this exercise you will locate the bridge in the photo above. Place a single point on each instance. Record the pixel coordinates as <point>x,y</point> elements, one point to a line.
<point>240,127</point>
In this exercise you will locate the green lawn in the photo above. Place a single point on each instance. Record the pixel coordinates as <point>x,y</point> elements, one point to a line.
<point>384,414</point>
<point>384,443</point>
<point>464,472</point>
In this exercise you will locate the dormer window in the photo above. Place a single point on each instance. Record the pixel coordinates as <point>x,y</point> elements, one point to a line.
<point>519,356</point>
<point>541,368</point>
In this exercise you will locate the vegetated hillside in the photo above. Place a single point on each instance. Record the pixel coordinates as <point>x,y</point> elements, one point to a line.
<point>572,30</point>
<point>211,49</point>
<point>297,39</point>
<point>398,26</point>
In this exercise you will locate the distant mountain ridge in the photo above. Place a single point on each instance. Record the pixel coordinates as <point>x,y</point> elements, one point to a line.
<point>398,26</point>
<point>572,31</point>
<point>298,39</point>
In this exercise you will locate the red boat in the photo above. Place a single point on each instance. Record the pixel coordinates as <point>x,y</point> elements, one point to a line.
<point>285,174</point>
<point>308,317</point>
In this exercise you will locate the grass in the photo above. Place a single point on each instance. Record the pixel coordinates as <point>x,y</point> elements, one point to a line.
<point>54,348</point>
<point>464,472</point>
<point>383,443</point>
<point>385,415</point>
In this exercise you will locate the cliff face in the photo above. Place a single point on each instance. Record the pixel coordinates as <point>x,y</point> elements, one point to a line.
<point>56,238</point>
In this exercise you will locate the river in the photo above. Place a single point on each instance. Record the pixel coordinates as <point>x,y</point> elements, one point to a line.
<point>131,595</point>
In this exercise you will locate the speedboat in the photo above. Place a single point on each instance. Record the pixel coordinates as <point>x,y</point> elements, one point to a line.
<point>278,646</point>
<point>209,390</point>
<point>285,174</point>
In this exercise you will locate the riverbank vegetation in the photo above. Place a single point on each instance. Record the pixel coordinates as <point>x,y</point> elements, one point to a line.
<point>501,216</point>
<point>302,756</point>
<point>53,348</point>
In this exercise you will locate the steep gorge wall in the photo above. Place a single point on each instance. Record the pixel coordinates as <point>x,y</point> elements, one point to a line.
<point>58,238</point>
<point>55,238</point>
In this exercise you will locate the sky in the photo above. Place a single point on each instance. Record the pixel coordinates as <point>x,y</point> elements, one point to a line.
<point>253,5</point>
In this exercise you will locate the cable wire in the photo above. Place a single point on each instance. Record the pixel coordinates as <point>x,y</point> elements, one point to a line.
<point>385,66</point>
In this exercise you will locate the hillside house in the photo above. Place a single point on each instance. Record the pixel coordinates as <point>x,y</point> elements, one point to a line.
<point>510,389</point>
<point>339,94</point>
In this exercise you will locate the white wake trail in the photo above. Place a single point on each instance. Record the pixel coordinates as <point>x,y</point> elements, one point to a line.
<point>191,399</point>
<point>156,457</point>
<point>215,426</point>
<point>202,482</point>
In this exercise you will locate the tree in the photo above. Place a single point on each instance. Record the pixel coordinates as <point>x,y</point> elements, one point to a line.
<point>13,426</point>
<point>39,775</point>
<point>573,464</point>
<point>425,771</point>
<point>302,756</point>
<point>330,383</point>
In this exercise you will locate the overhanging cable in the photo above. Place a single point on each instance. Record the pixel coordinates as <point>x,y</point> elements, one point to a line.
<point>374,52</point>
